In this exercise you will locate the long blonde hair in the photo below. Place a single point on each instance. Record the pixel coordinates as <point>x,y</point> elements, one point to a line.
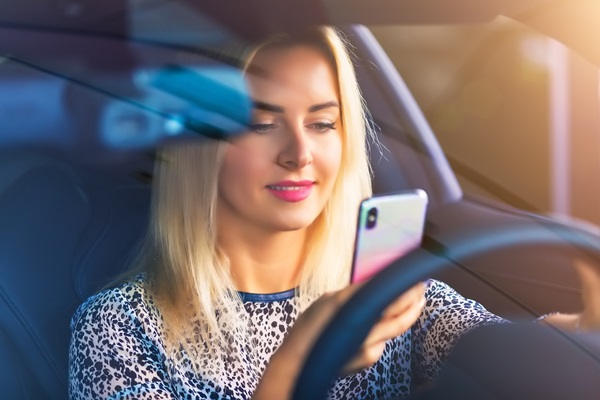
<point>186,272</point>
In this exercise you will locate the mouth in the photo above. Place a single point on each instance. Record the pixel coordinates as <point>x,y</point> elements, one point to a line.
<point>291,191</point>
<point>273,187</point>
<point>291,185</point>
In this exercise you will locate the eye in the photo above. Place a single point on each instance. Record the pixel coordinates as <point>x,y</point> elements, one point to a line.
<point>262,128</point>
<point>322,127</point>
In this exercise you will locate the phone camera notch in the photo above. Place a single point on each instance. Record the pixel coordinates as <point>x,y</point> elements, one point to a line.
<point>372,218</point>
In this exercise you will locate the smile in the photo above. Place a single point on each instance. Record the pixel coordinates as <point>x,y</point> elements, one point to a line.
<point>286,187</point>
<point>291,192</point>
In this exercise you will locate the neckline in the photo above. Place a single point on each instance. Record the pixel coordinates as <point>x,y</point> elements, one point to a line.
<point>267,297</point>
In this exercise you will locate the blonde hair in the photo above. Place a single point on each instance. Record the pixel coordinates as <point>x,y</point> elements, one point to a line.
<point>187,274</point>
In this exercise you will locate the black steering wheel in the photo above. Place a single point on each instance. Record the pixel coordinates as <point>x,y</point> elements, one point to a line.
<point>344,334</point>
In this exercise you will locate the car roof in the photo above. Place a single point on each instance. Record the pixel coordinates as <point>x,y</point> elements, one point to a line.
<point>251,17</point>
<point>200,22</point>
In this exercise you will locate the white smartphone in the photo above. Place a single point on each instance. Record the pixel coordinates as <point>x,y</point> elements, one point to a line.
<point>389,226</point>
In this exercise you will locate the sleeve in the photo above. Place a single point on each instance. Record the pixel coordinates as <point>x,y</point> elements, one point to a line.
<point>446,317</point>
<point>110,354</point>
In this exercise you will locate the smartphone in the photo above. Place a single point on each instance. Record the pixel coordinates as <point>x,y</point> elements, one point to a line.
<point>389,226</point>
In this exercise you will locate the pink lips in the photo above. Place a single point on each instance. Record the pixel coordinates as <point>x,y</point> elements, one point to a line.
<point>291,191</point>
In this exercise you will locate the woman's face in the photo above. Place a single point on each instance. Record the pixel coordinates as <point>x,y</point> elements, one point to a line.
<point>279,175</point>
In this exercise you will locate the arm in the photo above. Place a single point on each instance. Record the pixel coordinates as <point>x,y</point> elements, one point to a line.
<point>446,317</point>
<point>111,356</point>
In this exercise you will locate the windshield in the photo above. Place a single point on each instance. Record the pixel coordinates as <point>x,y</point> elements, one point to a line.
<point>94,80</point>
<point>516,113</point>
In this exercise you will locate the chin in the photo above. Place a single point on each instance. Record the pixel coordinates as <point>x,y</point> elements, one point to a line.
<point>290,227</point>
<point>292,224</point>
<point>294,221</point>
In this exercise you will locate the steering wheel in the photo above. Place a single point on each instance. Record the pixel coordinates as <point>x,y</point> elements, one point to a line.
<point>344,334</point>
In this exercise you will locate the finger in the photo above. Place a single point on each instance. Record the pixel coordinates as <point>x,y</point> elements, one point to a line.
<point>590,285</point>
<point>366,357</point>
<point>396,320</point>
<point>389,328</point>
<point>392,327</point>
<point>406,300</point>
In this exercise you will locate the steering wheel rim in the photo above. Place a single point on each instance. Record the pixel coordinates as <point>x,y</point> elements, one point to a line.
<point>346,331</point>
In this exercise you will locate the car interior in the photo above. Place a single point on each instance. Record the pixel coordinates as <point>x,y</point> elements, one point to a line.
<point>70,219</point>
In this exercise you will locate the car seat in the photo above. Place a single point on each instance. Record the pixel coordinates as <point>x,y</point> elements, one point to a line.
<point>65,231</point>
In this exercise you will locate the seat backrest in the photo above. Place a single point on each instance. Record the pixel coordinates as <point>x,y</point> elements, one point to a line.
<point>65,231</point>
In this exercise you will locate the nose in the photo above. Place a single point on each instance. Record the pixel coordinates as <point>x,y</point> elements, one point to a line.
<point>296,151</point>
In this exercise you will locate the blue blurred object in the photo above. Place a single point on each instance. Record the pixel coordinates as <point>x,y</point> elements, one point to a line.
<point>210,101</point>
<point>218,99</point>
<point>86,115</point>
<point>31,110</point>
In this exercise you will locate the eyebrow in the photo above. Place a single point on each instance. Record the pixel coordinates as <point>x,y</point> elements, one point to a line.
<point>261,105</point>
<point>319,107</point>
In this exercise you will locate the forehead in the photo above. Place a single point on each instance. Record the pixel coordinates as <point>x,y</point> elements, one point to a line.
<point>286,73</point>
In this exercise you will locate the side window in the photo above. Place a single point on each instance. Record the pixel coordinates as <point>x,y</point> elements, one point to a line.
<point>517,113</point>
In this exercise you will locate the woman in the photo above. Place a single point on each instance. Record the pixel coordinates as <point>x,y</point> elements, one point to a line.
<point>245,236</point>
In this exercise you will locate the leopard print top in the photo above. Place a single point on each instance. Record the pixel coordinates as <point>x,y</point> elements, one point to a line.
<point>117,349</point>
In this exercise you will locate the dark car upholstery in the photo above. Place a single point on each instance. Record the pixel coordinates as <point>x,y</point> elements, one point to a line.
<point>64,233</point>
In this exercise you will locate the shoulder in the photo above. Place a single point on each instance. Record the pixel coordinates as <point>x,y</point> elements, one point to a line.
<point>128,300</point>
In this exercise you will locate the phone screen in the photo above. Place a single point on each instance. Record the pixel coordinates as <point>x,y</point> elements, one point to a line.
<point>388,227</point>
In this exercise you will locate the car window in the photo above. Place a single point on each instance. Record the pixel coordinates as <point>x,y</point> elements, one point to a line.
<point>120,86</point>
<point>516,112</point>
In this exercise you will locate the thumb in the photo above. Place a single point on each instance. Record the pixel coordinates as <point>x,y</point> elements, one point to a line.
<point>589,276</point>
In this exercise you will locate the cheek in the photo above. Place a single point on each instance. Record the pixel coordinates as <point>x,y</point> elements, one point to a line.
<point>332,157</point>
<point>240,166</point>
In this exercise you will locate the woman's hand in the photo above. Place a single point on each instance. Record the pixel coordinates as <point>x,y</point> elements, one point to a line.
<point>397,318</point>
<point>285,364</point>
<point>589,318</point>
<point>589,275</point>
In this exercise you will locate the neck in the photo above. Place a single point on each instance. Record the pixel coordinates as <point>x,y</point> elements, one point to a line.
<point>264,262</point>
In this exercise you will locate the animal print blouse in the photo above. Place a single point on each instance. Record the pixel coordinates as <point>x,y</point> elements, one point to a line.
<point>117,349</point>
